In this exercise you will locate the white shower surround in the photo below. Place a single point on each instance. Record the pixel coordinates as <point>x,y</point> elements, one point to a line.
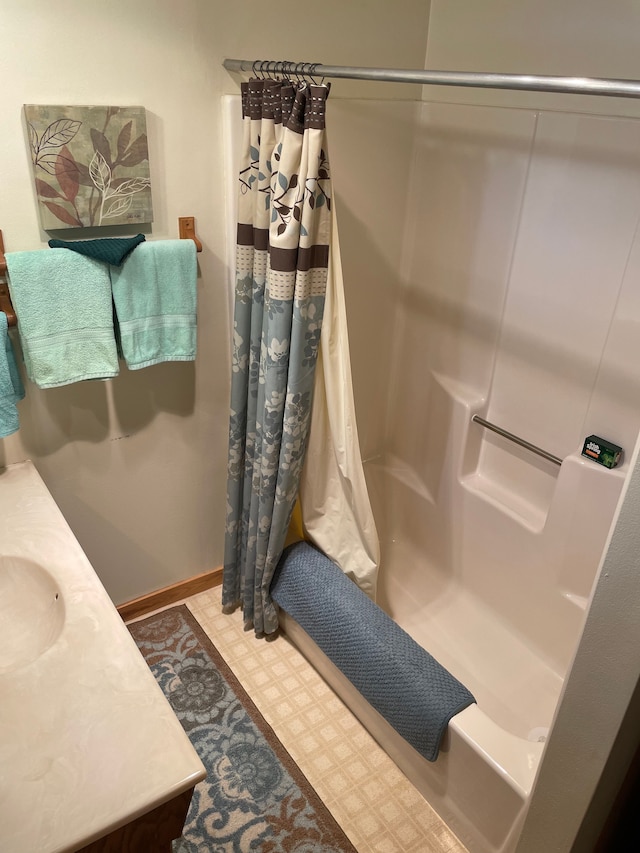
<point>513,299</point>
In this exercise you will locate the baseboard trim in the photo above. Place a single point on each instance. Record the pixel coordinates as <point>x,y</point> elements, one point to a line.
<point>169,594</point>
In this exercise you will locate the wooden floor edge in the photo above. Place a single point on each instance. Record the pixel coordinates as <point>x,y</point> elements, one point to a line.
<point>169,594</point>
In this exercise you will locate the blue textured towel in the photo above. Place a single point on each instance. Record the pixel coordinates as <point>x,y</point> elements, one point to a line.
<point>63,302</point>
<point>154,292</point>
<point>11,387</point>
<point>403,682</point>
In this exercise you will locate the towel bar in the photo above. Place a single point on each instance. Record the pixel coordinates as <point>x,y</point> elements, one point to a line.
<point>186,229</point>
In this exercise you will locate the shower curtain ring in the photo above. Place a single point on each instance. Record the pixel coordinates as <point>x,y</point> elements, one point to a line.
<point>312,74</point>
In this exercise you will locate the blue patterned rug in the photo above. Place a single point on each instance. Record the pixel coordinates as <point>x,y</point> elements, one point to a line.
<point>254,798</point>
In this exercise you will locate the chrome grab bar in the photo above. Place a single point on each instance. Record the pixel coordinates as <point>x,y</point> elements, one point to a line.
<point>517,440</point>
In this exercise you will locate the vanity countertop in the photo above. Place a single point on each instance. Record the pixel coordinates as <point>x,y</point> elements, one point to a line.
<point>88,741</point>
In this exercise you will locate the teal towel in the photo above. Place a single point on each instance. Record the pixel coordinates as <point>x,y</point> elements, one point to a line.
<point>11,387</point>
<point>154,293</point>
<point>65,316</point>
<point>112,250</point>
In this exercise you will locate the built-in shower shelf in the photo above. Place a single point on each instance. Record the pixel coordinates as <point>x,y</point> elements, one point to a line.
<point>460,392</point>
<point>507,501</point>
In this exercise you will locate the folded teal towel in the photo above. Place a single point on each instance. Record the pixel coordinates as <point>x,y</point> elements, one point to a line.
<point>112,250</point>
<point>154,293</point>
<point>65,316</point>
<point>11,387</point>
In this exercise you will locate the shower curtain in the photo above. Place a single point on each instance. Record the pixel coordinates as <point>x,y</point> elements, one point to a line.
<point>282,257</point>
<point>335,511</point>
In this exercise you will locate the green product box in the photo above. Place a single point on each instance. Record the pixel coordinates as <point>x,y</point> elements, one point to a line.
<point>602,451</point>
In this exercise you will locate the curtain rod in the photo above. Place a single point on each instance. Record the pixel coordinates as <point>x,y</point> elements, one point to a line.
<point>482,80</point>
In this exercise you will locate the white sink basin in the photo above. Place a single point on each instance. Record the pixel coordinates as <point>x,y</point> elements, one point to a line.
<point>88,741</point>
<point>31,612</point>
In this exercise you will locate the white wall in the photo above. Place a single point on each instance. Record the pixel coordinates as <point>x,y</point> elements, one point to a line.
<point>583,38</point>
<point>138,464</point>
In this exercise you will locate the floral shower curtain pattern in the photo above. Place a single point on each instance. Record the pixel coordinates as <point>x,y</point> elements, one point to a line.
<point>282,253</point>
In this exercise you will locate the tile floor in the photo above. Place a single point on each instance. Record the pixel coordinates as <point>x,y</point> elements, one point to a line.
<point>376,806</point>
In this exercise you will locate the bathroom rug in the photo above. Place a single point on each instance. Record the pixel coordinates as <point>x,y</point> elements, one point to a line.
<point>255,797</point>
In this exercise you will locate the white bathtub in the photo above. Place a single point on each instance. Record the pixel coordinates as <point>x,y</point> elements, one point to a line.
<point>495,587</point>
<point>88,742</point>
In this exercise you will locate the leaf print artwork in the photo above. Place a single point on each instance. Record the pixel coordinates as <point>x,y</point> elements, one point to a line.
<point>90,164</point>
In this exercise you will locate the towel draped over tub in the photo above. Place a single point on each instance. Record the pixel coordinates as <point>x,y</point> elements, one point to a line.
<point>402,681</point>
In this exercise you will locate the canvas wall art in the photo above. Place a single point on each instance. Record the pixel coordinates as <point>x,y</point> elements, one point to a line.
<point>90,164</point>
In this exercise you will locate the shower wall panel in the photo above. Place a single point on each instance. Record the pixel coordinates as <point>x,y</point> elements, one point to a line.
<point>519,263</point>
<point>370,153</point>
<point>467,185</point>
<point>578,222</point>
<point>516,300</point>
